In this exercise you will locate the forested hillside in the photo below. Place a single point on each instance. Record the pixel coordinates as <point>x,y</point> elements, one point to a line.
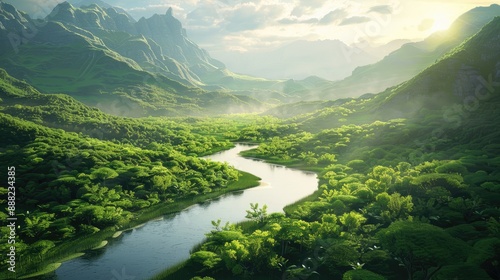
<point>409,178</point>
<point>84,174</point>
<point>412,197</point>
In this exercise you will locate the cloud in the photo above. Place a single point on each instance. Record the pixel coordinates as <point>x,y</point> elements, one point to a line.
<point>426,24</point>
<point>334,16</point>
<point>249,16</point>
<point>306,7</point>
<point>205,15</point>
<point>312,3</point>
<point>295,20</point>
<point>381,9</point>
<point>354,20</point>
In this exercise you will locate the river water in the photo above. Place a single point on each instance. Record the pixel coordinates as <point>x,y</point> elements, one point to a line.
<point>145,251</point>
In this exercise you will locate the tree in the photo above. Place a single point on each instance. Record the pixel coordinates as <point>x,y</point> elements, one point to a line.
<point>205,259</point>
<point>103,174</point>
<point>257,214</point>
<point>161,183</point>
<point>340,255</point>
<point>37,224</point>
<point>388,208</point>
<point>234,255</point>
<point>352,221</point>
<point>422,247</point>
<point>40,248</point>
<point>88,214</point>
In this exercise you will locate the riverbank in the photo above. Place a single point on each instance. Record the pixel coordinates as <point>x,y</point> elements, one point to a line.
<point>300,165</point>
<point>63,251</point>
<point>183,270</point>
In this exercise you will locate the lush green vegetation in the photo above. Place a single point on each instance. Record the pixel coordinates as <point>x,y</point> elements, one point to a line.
<point>398,210</point>
<point>413,197</point>
<point>409,178</point>
<point>84,174</point>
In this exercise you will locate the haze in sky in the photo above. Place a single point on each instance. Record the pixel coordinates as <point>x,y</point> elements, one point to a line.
<point>226,28</point>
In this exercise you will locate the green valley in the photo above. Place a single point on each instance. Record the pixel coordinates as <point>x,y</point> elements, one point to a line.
<point>106,123</point>
<point>412,195</point>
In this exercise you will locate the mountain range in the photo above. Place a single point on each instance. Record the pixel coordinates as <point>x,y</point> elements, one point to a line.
<point>460,86</point>
<point>409,60</point>
<point>158,70</point>
<point>74,49</point>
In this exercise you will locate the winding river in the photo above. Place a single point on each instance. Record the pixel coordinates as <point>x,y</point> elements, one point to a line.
<point>145,251</point>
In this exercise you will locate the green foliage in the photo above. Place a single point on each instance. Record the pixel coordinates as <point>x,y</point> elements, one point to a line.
<point>105,171</point>
<point>419,246</point>
<point>352,221</point>
<point>452,167</point>
<point>396,195</point>
<point>208,260</point>
<point>486,251</point>
<point>461,272</point>
<point>257,214</point>
<point>341,255</point>
<point>362,274</point>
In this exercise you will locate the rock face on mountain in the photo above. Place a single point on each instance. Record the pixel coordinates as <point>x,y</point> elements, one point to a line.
<point>167,31</point>
<point>11,19</point>
<point>88,53</point>
<point>13,24</point>
<point>158,43</point>
<point>92,17</point>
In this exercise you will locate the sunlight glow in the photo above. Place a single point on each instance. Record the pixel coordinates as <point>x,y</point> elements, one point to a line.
<point>441,22</point>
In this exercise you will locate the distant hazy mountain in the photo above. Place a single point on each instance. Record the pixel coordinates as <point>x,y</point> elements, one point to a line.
<point>460,89</point>
<point>410,59</point>
<point>329,59</point>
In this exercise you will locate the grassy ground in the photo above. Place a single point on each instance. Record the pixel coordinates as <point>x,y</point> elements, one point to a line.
<point>47,269</point>
<point>52,267</point>
<point>67,250</point>
<point>290,208</point>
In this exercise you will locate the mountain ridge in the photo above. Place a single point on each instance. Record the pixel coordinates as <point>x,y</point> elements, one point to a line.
<point>59,57</point>
<point>411,58</point>
<point>447,93</point>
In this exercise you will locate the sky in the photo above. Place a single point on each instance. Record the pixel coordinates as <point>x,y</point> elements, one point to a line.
<point>245,25</point>
<point>250,26</point>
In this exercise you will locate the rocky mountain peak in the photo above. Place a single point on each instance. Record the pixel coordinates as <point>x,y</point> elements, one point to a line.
<point>63,12</point>
<point>9,12</point>
<point>12,25</point>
